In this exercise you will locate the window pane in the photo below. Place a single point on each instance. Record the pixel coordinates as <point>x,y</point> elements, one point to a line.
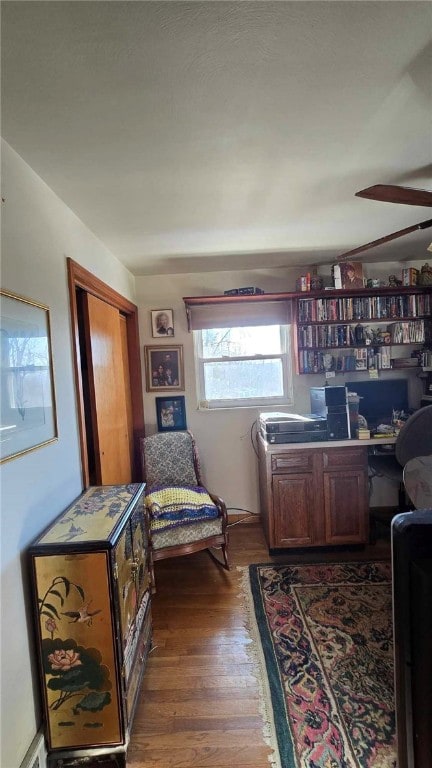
<point>239,342</point>
<point>239,379</point>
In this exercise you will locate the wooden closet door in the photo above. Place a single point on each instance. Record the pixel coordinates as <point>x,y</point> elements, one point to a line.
<point>107,376</point>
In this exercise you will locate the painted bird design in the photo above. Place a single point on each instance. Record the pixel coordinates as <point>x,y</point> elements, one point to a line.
<point>83,615</point>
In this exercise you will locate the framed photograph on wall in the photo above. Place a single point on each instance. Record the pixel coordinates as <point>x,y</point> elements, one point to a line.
<point>28,412</point>
<point>171,413</point>
<point>162,323</point>
<point>164,368</point>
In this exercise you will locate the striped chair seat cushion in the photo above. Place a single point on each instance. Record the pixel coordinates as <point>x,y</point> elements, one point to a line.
<point>171,506</point>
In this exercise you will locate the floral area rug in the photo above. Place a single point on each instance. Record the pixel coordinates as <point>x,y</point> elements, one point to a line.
<point>327,648</point>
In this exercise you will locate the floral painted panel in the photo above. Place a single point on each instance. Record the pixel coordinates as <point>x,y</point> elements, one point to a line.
<point>93,516</point>
<point>77,650</point>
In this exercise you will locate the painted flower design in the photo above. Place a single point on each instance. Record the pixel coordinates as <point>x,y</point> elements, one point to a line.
<point>64,660</point>
<point>50,626</point>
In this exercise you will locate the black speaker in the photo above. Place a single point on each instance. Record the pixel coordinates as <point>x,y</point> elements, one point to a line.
<point>338,427</point>
<point>324,398</point>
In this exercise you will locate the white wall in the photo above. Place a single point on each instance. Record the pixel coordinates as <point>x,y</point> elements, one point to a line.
<point>38,233</point>
<point>223,436</point>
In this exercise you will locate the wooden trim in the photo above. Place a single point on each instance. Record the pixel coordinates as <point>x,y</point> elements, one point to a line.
<point>91,284</point>
<point>283,296</point>
<point>78,277</point>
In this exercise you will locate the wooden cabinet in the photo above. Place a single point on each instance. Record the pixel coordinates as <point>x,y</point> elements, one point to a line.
<point>313,496</point>
<point>91,575</point>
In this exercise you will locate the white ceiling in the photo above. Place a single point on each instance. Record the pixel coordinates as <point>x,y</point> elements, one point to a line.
<point>197,136</point>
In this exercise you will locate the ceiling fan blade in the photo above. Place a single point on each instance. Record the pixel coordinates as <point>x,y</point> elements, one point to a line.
<point>390,193</point>
<point>385,239</point>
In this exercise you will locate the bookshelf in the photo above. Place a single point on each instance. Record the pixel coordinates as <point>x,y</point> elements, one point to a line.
<point>342,330</point>
<point>359,328</point>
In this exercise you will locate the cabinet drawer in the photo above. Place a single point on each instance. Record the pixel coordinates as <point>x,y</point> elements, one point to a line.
<point>337,458</point>
<point>294,461</point>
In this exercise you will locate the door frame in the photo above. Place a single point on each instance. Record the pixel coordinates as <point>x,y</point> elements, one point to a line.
<point>81,278</point>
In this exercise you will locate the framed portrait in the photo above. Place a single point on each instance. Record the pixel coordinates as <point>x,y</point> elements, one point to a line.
<point>28,412</point>
<point>164,368</point>
<point>171,413</point>
<point>162,323</point>
<point>351,274</point>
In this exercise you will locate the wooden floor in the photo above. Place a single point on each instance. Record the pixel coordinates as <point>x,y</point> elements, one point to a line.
<point>199,703</point>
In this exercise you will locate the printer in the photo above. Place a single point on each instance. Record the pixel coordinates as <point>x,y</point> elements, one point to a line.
<point>292,427</point>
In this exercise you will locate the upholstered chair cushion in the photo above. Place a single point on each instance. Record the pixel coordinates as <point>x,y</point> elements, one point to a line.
<point>185,534</point>
<point>169,459</point>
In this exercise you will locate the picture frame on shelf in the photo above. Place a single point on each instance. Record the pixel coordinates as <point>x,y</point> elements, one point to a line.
<point>162,323</point>
<point>164,367</point>
<point>28,414</point>
<point>348,274</point>
<point>171,413</point>
<point>351,274</point>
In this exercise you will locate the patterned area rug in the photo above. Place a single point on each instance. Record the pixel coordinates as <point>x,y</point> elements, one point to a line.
<point>327,646</point>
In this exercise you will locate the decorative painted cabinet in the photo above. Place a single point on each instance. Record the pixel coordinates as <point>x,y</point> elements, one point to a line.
<point>91,579</point>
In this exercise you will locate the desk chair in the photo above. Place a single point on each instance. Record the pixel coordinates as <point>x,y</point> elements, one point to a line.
<point>184,516</point>
<point>414,440</point>
<point>417,478</point>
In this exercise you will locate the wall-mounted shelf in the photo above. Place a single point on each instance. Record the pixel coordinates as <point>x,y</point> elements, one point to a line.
<point>318,317</point>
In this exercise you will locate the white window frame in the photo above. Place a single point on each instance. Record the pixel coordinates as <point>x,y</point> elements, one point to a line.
<point>249,402</point>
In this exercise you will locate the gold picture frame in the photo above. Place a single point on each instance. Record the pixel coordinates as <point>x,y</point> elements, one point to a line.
<point>28,417</point>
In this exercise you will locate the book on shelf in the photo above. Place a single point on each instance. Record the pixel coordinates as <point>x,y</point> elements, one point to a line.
<point>361,359</point>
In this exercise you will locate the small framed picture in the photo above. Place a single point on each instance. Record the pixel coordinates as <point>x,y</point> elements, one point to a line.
<point>351,274</point>
<point>164,368</point>
<point>171,413</point>
<point>162,322</point>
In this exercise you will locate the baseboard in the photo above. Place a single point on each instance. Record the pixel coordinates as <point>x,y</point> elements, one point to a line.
<point>36,756</point>
<point>245,517</point>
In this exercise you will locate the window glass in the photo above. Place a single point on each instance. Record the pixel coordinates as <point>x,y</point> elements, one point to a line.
<point>244,366</point>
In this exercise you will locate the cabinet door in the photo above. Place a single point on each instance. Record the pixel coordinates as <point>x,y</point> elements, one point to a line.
<point>346,507</point>
<point>293,500</point>
<point>78,660</point>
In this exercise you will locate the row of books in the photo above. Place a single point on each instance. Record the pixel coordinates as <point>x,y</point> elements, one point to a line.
<point>408,333</point>
<point>326,336</point>
<point>333,336</point>
<point>364,308</point>
<point>362,359</point>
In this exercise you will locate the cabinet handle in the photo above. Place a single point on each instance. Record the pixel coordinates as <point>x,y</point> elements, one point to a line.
<point>134,568</point>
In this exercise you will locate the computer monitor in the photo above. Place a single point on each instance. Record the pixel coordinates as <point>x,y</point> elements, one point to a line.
<point>380,398</point>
